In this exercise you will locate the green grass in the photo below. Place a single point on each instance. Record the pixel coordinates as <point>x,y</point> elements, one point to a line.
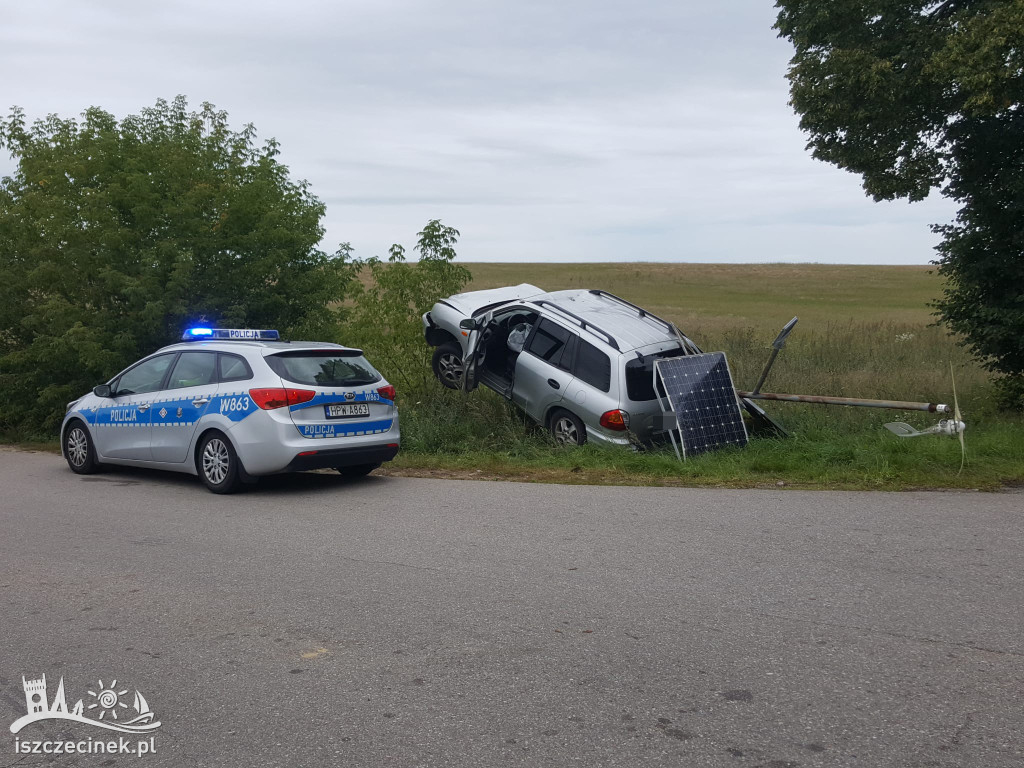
<point>481,436</point>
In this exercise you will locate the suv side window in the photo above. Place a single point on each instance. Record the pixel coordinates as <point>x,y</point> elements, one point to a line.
<point>552,343</point>
<point>233,367</point>
<point>193,369</point>
<point>147,376</point>
<point>593,366</point>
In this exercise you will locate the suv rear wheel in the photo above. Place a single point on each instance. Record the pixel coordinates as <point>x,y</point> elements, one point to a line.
<point>567,429</point>
<point>447,364</point>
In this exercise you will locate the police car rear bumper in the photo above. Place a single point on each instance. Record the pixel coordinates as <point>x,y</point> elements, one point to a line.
<point>268,442</point>
<point>343,457</point>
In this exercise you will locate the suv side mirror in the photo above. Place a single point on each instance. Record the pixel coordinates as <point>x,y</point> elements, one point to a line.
<point>469,324</point>
<point>102,390</point>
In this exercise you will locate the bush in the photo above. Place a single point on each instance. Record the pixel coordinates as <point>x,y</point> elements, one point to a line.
<point>115,235</point>
<point>387,314</point>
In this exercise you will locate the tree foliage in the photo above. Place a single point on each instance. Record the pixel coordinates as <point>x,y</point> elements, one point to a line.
<point>917,95</point>
<point>115,234</point>
<point>397,294</point>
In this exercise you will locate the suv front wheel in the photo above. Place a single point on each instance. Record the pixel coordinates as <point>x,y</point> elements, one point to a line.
<point>567,429</point>
<point>447,364</point>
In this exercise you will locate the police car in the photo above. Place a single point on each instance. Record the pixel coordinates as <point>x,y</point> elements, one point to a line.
<point>230,405</point>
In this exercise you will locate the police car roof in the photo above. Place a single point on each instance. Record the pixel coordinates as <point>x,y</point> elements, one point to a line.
<point>223,345</point>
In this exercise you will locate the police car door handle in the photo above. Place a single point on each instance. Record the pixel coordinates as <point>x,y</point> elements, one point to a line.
<point>143,406</point>
<point>554,383</point>
<point>200,401</point>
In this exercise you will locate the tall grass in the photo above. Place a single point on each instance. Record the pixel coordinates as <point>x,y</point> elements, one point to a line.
<point>829,446</point>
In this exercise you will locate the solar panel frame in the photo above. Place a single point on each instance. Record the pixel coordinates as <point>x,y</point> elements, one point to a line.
<point>702,398</point>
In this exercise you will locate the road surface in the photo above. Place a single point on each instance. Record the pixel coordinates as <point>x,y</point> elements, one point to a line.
<point>409,622</point>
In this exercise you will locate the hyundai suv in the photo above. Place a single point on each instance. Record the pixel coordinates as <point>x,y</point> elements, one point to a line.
<point>578,362</point>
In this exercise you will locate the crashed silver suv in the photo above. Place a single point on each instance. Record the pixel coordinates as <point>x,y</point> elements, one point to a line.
<point>579,362</point>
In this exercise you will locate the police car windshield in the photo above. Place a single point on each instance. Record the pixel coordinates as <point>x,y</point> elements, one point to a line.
<point>324,368</point>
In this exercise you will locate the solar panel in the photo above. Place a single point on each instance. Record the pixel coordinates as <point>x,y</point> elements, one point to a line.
<point>702,397</point>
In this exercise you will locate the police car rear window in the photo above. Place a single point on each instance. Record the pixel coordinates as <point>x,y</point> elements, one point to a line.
<point>325,368</point>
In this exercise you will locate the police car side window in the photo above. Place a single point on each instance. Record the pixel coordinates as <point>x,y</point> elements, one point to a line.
<point>233,368</point>
<point>145,377</point>
<point>193,369</point>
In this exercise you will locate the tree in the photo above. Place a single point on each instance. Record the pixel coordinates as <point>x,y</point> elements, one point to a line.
<point>397,295</point>
<point>916,95</point>
<point>115,235</point>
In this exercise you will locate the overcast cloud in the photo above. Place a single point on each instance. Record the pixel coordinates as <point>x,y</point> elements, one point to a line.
<point>544,131</point>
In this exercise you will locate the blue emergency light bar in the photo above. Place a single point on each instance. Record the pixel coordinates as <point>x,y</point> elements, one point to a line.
<point>229,334</point>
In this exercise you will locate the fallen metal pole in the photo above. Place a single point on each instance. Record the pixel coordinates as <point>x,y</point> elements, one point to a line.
<point>779,343</point>
<point>898,405</point>
<point>767,367</point>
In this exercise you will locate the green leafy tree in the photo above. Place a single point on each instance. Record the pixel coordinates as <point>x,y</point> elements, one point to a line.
<point>397,293</point>
<point>917,95</point>
<point>114,235</point>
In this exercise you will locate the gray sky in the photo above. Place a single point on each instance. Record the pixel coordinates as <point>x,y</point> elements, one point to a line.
<point>566,130</point>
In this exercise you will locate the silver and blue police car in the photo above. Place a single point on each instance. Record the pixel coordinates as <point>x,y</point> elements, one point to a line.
<point>230,405</point>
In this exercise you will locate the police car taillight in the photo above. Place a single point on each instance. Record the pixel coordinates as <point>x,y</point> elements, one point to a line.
<point>387,392</point>
<point>278,397</point>
<point>229,334</point>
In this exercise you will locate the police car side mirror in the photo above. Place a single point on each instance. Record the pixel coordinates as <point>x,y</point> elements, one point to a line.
<point>469,324</point>
<point>103,390</point>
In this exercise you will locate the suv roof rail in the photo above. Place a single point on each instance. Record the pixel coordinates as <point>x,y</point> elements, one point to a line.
<point>640,310</point>
<point>584,324</point>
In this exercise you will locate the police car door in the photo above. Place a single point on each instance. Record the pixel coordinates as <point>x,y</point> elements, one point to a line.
<point>122,428</point>
<point>184,401</point>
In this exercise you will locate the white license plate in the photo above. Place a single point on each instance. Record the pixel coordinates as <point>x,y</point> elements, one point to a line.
<point>346,410</point>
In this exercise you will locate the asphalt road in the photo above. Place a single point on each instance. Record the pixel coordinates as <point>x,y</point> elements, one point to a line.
<point>405,622</point>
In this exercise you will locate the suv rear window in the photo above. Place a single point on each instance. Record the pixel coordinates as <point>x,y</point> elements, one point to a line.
<point>593,366</point>
<point>324,368</point>
<point>640,375</point>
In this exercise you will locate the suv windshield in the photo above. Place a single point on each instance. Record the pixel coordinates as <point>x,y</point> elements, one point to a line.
<point>324,368</point>
<point>640,375</point>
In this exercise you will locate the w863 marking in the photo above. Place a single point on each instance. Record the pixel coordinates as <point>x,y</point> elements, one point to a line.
<point>229,404</point>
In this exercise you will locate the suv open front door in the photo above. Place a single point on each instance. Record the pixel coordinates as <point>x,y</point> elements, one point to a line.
<point>476,349</point>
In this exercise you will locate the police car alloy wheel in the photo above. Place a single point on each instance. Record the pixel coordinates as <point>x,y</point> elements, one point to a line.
<point>78,450</point>
<point>218,465</point>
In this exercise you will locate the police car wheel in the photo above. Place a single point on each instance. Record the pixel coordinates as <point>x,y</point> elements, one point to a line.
<point>447,364</point>
<point>218,464</point>
<point>79,450</point>
<point>567,429</point>
<point>357,470</point>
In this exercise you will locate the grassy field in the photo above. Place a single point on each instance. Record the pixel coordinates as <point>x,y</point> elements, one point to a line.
<point>864,331</point>
<point>718,297</point>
